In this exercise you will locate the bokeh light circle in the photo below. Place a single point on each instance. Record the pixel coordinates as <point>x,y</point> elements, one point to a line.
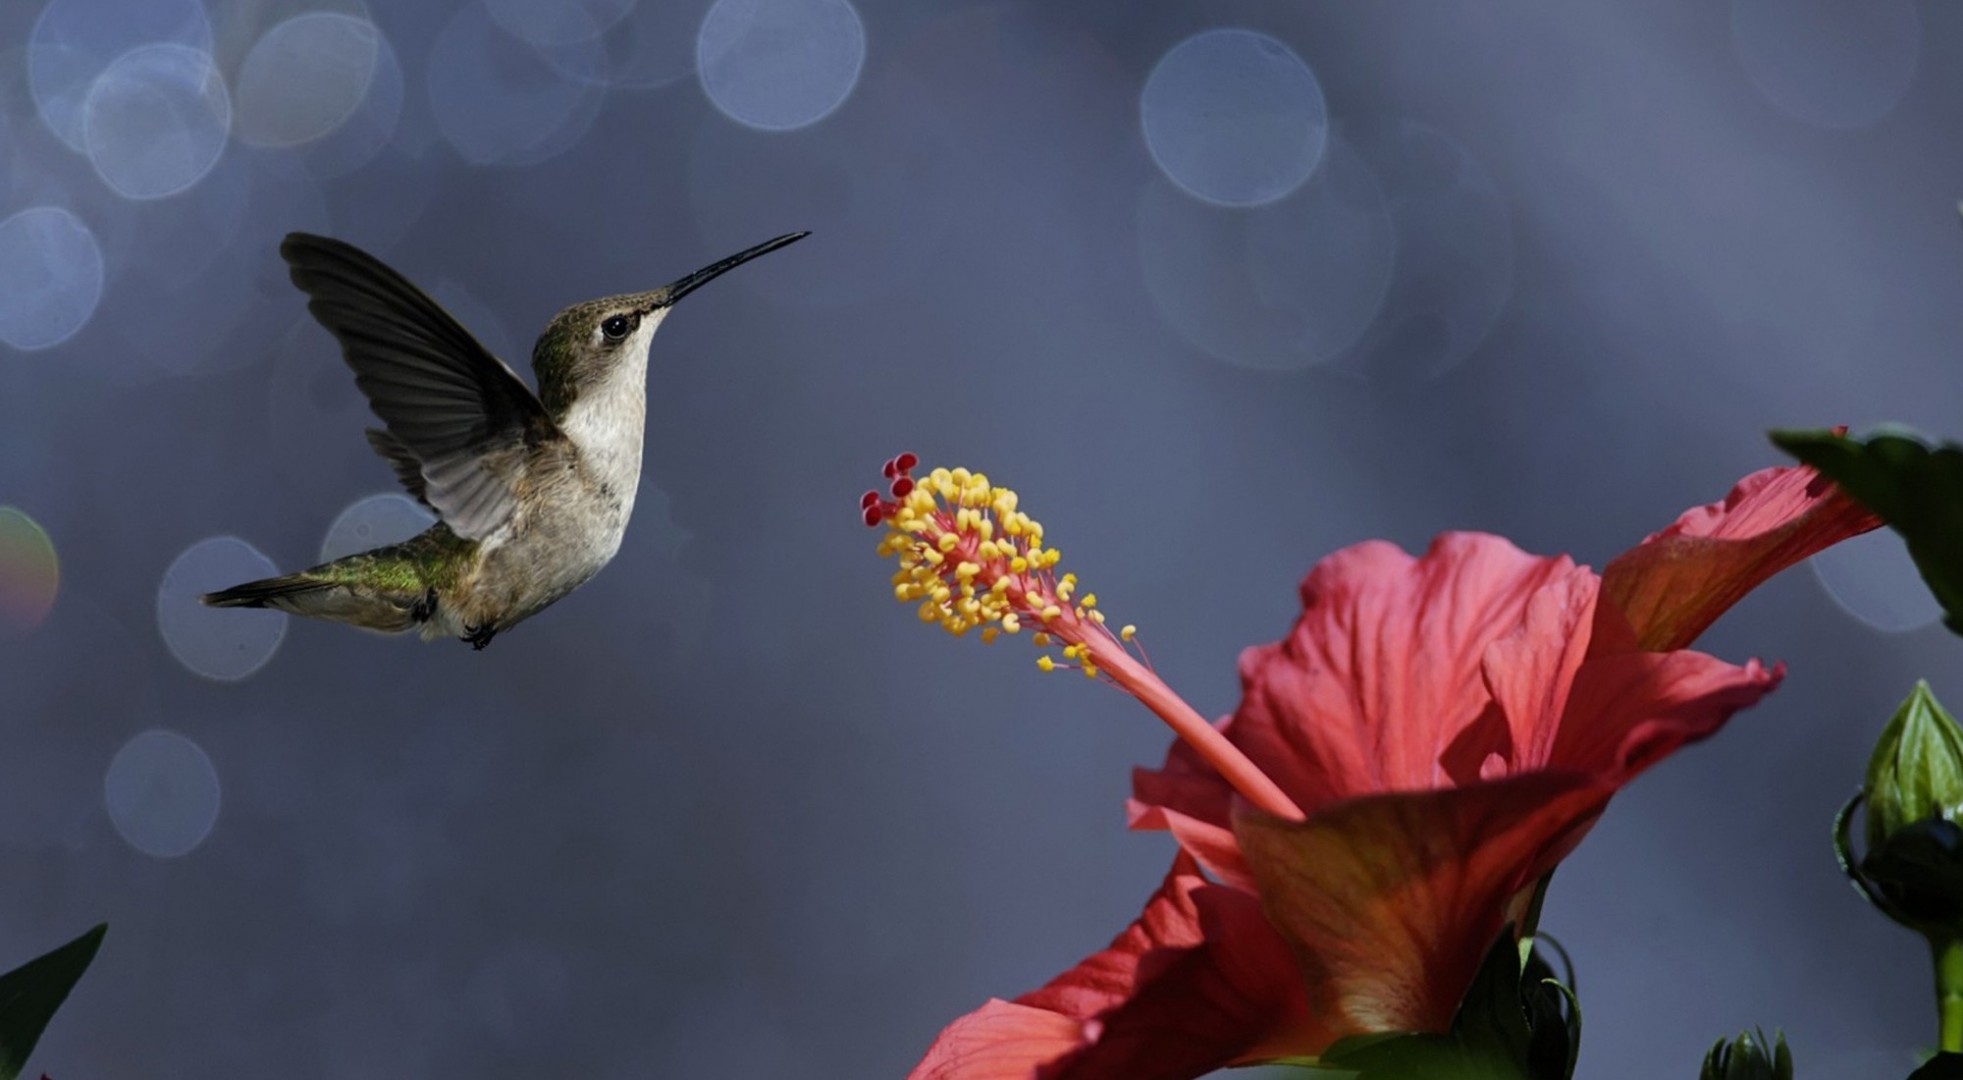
<point>306,77</point>
<point>780,64</point>
<point>1873,579</point>
<point>496,99</point>
<point>162,794</point>
<point>79,678</point>
<point>655,46</point>
<point>226,644</point>
<point>1234,117</point>
<point>30,574</point>
<point>545,23</point>
<point>365,134</point>
<point>156,121</point>
<point>1453,273</point>
<point>374,522</point>
<point>1279,287</point>
<point>1830,63</point>
<point>50,277</point>
<point>75,41</point>
<point>869,206</point>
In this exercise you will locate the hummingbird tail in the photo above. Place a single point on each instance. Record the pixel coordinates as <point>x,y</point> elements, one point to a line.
<point>276,592</point>
<point>322,597</point>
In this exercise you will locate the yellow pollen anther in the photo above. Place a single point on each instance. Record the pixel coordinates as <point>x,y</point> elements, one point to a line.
<point>1128,632</point>
<point>1045,663</point>
<point>972,560</point>
<point>1039,639</point>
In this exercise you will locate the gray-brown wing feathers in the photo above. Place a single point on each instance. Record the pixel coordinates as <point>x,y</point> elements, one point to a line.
<point>453,411</point>
<point>407,468</point>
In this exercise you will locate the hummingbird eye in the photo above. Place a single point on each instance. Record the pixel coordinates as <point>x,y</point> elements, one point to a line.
<point>616,327</point>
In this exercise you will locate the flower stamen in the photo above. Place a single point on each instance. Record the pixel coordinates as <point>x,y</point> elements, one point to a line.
<point>970,559</point>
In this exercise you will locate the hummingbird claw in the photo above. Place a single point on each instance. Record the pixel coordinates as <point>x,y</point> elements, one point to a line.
<point>480,636</point>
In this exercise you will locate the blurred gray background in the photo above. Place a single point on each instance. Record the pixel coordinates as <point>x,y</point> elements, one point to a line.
<point>1219,287</point>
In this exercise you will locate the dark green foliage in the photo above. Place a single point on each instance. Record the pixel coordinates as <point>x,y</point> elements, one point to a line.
<point>1917,489</point>
<point>1749,1057</point>
<point>1941,1067</point>
<point>30,994</point>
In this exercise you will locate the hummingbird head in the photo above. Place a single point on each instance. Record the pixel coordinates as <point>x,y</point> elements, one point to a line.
<point>587,343</point>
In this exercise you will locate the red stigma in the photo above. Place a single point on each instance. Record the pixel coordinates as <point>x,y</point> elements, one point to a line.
<point>875,509</point>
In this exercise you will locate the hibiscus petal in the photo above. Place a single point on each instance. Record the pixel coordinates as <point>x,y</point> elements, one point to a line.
<point>1213,845</point>
<point>1390,902</point>
<point>1170,921</point>
<point>1530,671</point>
<point>1376,679</point>
<point>999,1041</point>
<point>1630,711</point>
<point>1200,980</point>
<point>1184,783</point>
<point>1235,1000</point>
<point>1678,581</point>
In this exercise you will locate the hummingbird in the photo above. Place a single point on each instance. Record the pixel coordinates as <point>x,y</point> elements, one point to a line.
<point>532,491</point>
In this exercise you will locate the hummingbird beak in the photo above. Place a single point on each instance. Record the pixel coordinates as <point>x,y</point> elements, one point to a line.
<point>688,283</point>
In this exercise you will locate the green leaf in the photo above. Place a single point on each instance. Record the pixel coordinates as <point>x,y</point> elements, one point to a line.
<point>1917,489</point>
<point>30,994</point>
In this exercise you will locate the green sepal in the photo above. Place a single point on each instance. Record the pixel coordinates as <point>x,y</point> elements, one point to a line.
<point>30,994</point>
<point>1511,1025</point>
<point>1917,489</point>
<point>1749,1057</point>
<point>1944,1066</point>
<point>1917,768</point>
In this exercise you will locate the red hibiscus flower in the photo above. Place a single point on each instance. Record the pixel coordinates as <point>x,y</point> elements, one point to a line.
<point>1405,768</point>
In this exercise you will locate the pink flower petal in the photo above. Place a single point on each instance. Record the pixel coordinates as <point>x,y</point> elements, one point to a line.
<point>1390,902</point>
<point>1678,581</point>
<point>1200,980</point>
<point>1630,711</point>
<point>999,1041</point>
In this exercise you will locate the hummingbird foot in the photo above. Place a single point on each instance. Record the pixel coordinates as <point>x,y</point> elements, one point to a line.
<point>423,610</point>
<point>479,636</point>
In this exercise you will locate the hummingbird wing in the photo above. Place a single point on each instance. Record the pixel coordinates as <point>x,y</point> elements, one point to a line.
<point>458,413</point>
<point>408,468</point>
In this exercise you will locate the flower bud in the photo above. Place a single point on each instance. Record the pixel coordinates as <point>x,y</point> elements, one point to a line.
<point>1917,770</point>
<point>1749,1057</point>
